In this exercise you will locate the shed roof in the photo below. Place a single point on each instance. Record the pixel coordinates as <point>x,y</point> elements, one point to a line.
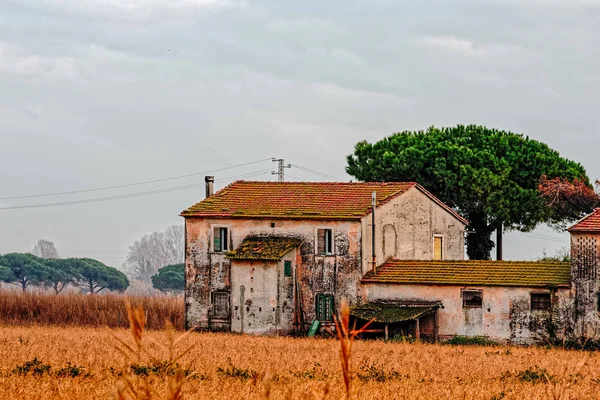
<point>590,223</point>
<point>472,272</point>
<point>263,248</point>
<point>391,312</point>
<point>303,200</point>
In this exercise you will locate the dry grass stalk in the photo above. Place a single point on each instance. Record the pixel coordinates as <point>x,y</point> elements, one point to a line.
<point>139,388</point>
<point>346,337</point>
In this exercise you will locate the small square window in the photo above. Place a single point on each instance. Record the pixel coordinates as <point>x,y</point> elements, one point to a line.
<point>287,268</point>
<point>541,301</point>
<point>220,304</point>
<point>324,241</point>
<point>220,240</point>
<point>438,248</point>
<point>472,299</point>
<point>324,307</point>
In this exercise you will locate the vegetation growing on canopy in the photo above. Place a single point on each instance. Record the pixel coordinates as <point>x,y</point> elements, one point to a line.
<point>490,176</point>
<point>170,278</point>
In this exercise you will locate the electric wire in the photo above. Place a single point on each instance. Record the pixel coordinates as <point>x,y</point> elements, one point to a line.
<point>134,184</point>
<point>314,172</point>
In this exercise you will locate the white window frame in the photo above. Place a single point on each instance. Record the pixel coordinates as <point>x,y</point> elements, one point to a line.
<point>433,246</point>
<point>332,253</point>
<point>212,242</point>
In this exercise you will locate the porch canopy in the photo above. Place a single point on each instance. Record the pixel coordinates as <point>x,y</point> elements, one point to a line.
<point>394,312</point>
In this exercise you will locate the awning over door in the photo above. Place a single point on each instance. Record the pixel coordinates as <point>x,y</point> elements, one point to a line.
<point>389,313</point>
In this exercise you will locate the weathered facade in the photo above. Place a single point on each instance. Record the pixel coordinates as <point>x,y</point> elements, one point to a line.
<point>585,265</point>
<point>271,257</point>
<point>500,300</point>
<point>331,223</point>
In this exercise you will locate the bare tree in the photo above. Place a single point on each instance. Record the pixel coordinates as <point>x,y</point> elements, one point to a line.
<point>45,249</point>
<point>154,251</point>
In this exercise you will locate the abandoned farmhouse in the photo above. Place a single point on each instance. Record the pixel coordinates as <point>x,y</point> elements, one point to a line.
<point>275,257</point>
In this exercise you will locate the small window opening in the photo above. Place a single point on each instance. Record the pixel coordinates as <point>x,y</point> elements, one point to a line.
<point>472,299</point>
<point>325,241</point>
<point>541,301</point>
<point>438,248</point>
<point>324,307</point>
<point>598,302</point>
<point>272,224</point>
<point>287,268</point>
<point>221,240</point>
<point>220,304</point>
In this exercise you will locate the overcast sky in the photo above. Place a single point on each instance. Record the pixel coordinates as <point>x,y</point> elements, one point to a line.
<point>97,93</point>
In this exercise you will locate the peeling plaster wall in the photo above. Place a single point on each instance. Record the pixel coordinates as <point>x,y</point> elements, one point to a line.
<point>405,228</point>
<point>338,274</point>
<point>585,271</point>
<point>504,316</point>
<point>262,296</point>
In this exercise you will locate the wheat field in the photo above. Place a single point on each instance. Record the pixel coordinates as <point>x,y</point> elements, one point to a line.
<point>93,363</point>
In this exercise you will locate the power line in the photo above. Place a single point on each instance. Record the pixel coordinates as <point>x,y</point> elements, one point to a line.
<point>133,184</point>
<point>312,171</point>
<point>542,237</point>
<point>127,196</point>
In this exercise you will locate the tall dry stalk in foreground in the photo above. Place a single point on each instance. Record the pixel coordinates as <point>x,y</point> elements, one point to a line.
<point>139,388</point>
<point>346,337</point>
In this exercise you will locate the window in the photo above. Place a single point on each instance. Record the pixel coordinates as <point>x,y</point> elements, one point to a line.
<point>541,301</point>
<point>220,304</point>
<point>287,268</point>
<point>324,307</point>
<point>220,239</point>
<point>598,302</point>
<point>472,299</point>
<point>438,247</point>
<point>325,241</point>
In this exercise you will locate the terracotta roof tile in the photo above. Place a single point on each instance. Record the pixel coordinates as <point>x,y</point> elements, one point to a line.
<point>263,248</point>
<point>305,200</point>
<point>590,223</point>
<point>471,272</point>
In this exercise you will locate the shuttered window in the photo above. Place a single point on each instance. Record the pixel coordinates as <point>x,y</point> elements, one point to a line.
<point>287,268</point>
<point>438,248</point>
<point>220,239</point>
<point>324,307</point>
<point>324,241</point>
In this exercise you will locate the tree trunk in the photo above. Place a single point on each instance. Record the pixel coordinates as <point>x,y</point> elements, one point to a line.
<point>499,242</point>
<point>479,243</point>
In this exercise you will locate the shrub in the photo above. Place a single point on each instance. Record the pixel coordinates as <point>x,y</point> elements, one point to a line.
<point>471,341</point>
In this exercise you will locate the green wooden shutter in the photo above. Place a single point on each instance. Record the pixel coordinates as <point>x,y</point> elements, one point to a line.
<point>329,315</point>
<point>217,239</point>
<point>319,306</point>
<point>287,268</point>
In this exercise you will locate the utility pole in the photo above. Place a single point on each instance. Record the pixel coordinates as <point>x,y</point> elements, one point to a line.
<point>280,168</point>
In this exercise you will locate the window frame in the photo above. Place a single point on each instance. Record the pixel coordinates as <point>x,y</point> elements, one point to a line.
<point>472,291</point>
<point>545,294</point>
<point>442,250</point>
<point>326,240</point>
<point>326,300</point>
<point>214,303</point>
<point>227,236</point>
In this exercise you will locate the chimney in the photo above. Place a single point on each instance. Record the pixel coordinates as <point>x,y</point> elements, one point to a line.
<point>210,181</point>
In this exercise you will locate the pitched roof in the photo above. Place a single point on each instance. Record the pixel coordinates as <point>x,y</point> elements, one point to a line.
<point>390,312</point>
<point>472,272</point>
<point>590,223</point>
<point>263,248</point>
<point>305,200</point>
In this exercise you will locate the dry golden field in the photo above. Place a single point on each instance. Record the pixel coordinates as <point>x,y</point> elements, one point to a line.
<point>18,308</point>
<point>243,367</point>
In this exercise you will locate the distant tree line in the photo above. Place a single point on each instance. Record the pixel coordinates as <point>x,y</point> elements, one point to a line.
<point>170,279</point>
<point>25,270</point>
